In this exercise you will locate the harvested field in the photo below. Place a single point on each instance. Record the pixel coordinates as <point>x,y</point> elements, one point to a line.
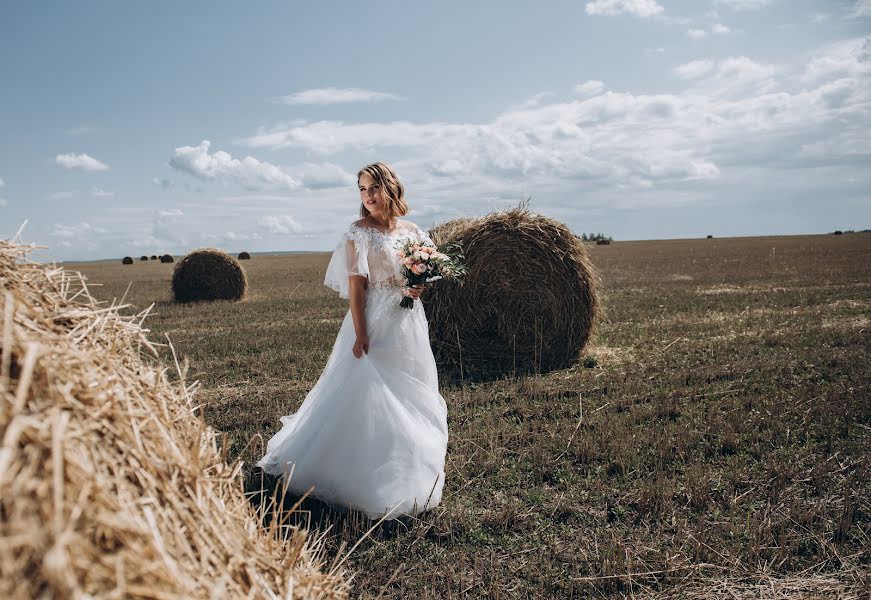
<point>716,445</point>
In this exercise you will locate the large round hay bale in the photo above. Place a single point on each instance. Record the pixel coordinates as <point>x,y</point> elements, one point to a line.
<point>528,303</point>
<point>127,260</point>
<point>143,258</point>
<point>244,256</point>
<point>208,274</point>
<point>153,257</point>
<point>111,485</point>
<point>167,258</point>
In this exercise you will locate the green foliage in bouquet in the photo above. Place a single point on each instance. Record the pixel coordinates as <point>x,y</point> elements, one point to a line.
<point>423,262</point>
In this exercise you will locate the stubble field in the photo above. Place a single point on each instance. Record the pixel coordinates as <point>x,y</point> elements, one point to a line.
<point>713,442</point>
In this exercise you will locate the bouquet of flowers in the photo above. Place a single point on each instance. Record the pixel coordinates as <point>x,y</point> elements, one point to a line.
<point>422,262</point>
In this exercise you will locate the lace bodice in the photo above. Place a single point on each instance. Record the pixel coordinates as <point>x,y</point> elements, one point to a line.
<point>372,253</point>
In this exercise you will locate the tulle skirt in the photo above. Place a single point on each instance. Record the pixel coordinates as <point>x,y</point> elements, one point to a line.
<point>372,433</point>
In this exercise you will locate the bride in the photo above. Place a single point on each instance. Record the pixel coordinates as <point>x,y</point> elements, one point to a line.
<point>372,434</point>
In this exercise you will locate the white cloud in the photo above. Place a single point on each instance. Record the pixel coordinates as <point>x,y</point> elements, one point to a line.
<point>248,172</point>
<point>696,34</point>
<point>535,100</point>
<point>101,193</point>
<point>862,8</point>
<point>589,88</point>
<point>638,8</point>
<point>231,236</point>
<point>720,29</point>
<point>280,224</point>
<point>847,59</point>
<point>164,184</point>
<point>744,69</point>
<point>4,203</point>
<point>324,96</point>
<point>65,195</point>
<point>62,230</point>
<point>624,140</point>
<point>80,161</point>
<point>732,76</point>
<point>742,4</point>
<point>694,69</point>
<point>820,17</point>
<point>2,183</point>
<point>321,175</point>
<point>170,212</point>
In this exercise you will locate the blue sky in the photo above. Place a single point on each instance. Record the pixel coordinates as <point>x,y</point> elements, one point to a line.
<point>143,128</point>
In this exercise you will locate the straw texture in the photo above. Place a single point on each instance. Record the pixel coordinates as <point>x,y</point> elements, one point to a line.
<point>208,274</point>
<point>528,303</point>
<point>110,486</point>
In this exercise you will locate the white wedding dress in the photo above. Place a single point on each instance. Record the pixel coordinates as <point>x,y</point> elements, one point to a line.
<point>372,433</point>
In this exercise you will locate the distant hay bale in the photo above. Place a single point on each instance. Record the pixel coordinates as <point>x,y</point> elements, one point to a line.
<point>208,274</point>
<point>143,258</point>
<point>839,232</point>
<point>110,485</point>
<point>167,258</point>
<point>603,242</point>
<point>127,260</point>
<point>244,256</point>
<point>153,257</point>
<point>710,237</point>
<point>528,303</point>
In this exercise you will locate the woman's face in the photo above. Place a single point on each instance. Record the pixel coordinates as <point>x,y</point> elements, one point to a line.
<point>371,194</point>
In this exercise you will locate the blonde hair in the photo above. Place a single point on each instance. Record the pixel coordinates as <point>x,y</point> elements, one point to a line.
<point>392,189</point>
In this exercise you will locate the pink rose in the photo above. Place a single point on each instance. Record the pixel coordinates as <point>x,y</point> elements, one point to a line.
<point>419,269</point>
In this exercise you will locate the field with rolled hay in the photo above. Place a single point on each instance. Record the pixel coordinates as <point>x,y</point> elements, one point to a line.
<point>711,442</point>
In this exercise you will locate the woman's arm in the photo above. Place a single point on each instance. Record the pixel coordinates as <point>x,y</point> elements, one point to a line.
<point>357,296</point>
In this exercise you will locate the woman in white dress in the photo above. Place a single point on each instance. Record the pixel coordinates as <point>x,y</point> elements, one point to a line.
<point>372,433</point>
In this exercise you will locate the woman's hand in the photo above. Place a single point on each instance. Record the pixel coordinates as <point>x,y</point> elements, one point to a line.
<point>415,291</point>
<point>361,346</point>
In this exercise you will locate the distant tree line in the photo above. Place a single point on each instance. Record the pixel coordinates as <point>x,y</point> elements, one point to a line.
<point>595,237</point>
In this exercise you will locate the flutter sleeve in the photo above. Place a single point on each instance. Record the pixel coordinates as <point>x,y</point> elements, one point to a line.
<point>349,258</point>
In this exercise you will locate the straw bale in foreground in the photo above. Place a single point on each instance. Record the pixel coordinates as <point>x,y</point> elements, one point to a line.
<point>529,299</point>
<point>110,486</point>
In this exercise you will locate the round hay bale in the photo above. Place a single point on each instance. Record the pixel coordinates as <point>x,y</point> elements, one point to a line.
<point>528,303</point>
<point>167,258</point>
<point>111,484</point>
<point>127,260</point>
<point>143,258</point>
<point>603,242</point>
<point>710,237</point>
<point>208,274</point>
<point>153,257</point>
<point>244,256</point>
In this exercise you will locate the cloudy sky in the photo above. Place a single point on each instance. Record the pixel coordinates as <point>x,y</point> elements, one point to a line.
<point>151,127</point>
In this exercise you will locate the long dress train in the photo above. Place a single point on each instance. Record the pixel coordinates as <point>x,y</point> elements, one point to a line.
<point>372,433</point>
